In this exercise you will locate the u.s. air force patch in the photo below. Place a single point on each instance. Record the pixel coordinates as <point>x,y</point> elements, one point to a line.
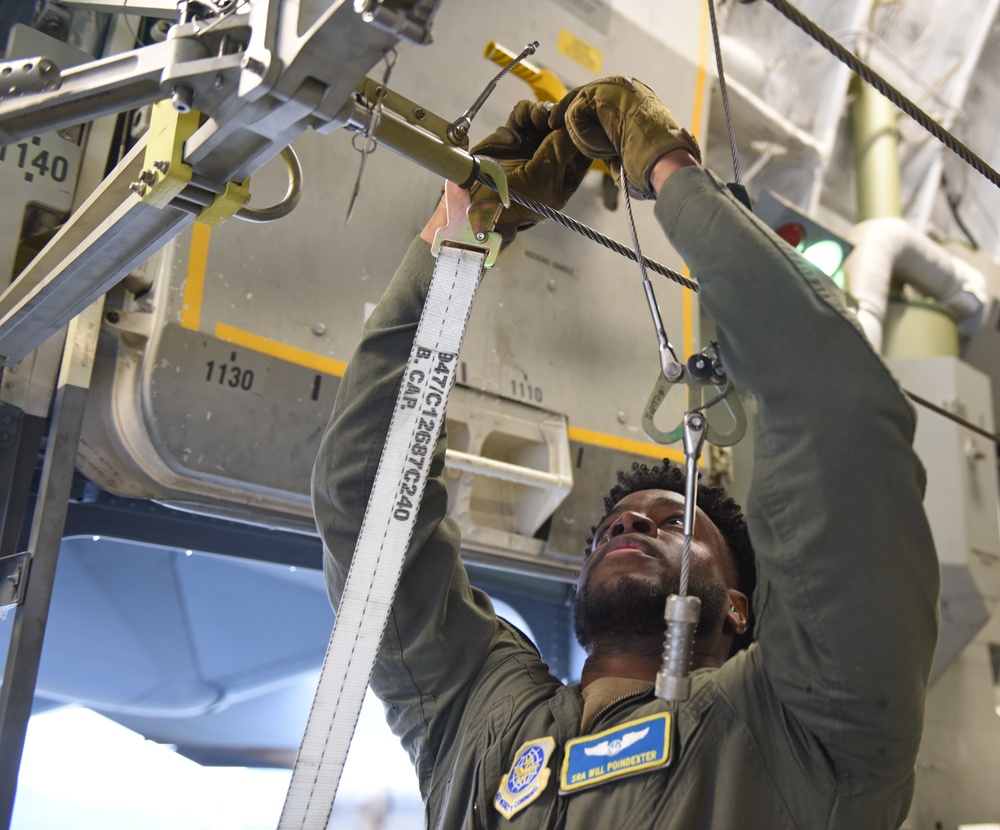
<point>528,776</point>
<point>636,746</point>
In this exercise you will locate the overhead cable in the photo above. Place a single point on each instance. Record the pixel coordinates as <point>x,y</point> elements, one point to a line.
<point>869,75</point>
<point>724,90</point>
<point>951,416</point>
<point>594,236</point>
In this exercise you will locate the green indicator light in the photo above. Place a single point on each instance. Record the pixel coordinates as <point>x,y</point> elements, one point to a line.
<point>826,255</point>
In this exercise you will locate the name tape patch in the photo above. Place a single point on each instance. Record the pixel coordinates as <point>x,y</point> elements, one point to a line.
<point>528,776</point>
<point>636,746</point>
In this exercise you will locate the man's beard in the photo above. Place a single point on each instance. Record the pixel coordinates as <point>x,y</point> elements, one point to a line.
<point>624,609</point>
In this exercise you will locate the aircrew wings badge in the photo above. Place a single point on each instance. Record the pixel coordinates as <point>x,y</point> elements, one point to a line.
<point>528,776</point>
<point>636,746</point>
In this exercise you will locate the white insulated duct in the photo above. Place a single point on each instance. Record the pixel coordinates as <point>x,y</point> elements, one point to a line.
<point>887,247</point>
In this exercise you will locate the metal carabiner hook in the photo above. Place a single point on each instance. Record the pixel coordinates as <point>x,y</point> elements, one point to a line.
<point>708,385</point>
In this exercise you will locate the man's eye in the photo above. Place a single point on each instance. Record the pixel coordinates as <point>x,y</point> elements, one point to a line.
<point>673,520</point>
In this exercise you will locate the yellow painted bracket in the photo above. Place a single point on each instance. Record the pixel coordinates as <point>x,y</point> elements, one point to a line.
<point>226,204</point>
<point>164,173</point>
<point>544,83</point>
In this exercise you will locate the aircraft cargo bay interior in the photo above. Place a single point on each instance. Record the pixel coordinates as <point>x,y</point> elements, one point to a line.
<point>659,486</point>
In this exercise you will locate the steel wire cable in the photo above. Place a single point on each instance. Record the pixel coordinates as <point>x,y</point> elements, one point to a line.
<point>951,416</point>
<point>725,92</point>
<point>594,235</point>
<point>685,576</point>
<point>870,76</point>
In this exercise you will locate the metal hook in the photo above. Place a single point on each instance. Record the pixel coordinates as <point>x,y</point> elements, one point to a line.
<point>708,385</point>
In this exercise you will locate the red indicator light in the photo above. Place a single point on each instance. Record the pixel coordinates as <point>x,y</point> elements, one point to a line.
<point>793,233</point>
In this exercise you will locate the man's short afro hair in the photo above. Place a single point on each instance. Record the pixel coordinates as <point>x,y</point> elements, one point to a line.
<point>724,512</point>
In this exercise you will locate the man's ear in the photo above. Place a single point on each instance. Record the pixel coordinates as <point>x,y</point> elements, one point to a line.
<point>737,612</point>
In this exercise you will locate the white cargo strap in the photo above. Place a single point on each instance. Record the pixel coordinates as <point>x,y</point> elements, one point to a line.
<point>388,523</point>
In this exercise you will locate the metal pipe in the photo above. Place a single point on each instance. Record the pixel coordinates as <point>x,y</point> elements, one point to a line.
<point>491,467</point>
<point>891,247</point>
<point>876,153</point>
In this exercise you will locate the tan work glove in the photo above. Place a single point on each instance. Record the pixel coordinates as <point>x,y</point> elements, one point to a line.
<point>625,123</point>
<point>541,162</point>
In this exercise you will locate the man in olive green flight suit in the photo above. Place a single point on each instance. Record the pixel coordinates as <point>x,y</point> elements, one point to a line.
<point>815,725</point>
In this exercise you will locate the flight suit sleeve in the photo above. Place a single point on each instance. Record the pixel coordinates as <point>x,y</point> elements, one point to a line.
<point>848,579</point>
<point>440,629</point>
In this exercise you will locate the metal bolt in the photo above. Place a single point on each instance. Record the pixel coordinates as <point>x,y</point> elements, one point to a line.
<point>319,329</point>
<point>480,236</point>
<point>7,419</point>
<point>182,98</point>
<point>4,437</point>
<point>162,166</point>
<point>622,417</point>
<point>220,81</point>
<point>551,285</point>
<point>138,188</point>
<point>112,316</point>
<point>253,65</point>
<point>420,113</point>
<point>147,176</point>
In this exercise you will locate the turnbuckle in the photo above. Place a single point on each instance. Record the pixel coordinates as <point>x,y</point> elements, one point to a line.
<point>683,610</point>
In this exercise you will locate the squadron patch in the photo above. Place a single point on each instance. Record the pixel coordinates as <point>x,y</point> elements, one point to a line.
<point>636,746</point>
<point>528,776</point>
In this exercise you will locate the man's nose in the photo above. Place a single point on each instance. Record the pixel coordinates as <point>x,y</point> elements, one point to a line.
<point>632,522</point>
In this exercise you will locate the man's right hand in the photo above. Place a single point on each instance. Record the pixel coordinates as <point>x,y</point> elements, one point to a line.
<point>625,123</point>
<point>540,160</point>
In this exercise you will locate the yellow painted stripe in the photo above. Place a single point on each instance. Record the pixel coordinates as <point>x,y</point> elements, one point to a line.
<point>301,357</point>
<point>613,442</point>
<point>194,285</point>
<point>265,345</point>
<point>702,76</point>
